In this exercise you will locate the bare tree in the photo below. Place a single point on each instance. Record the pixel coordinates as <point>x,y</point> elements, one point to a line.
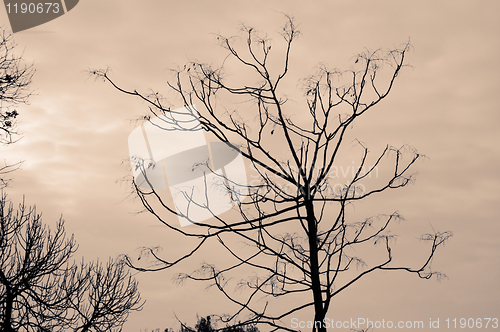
<point>42,290</point>
<point>300,241</point>
<point>15,78</point>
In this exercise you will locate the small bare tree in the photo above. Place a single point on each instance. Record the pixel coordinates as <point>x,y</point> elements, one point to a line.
<point>42,290</point>
<point>300,240</point>
<point>15,78</point>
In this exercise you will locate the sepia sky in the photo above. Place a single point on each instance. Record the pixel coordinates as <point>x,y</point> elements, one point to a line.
<point>75,130</point>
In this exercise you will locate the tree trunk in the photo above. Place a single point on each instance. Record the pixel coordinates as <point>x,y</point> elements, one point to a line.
<point>7,319</point>
<point>319,313</point>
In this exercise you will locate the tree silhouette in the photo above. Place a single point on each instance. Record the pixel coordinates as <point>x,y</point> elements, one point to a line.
<point>15,78</point>
<point>41,290</point>
<point>299,239</point>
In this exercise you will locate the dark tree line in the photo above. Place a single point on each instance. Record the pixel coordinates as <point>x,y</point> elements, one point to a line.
<point>205,324</point>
